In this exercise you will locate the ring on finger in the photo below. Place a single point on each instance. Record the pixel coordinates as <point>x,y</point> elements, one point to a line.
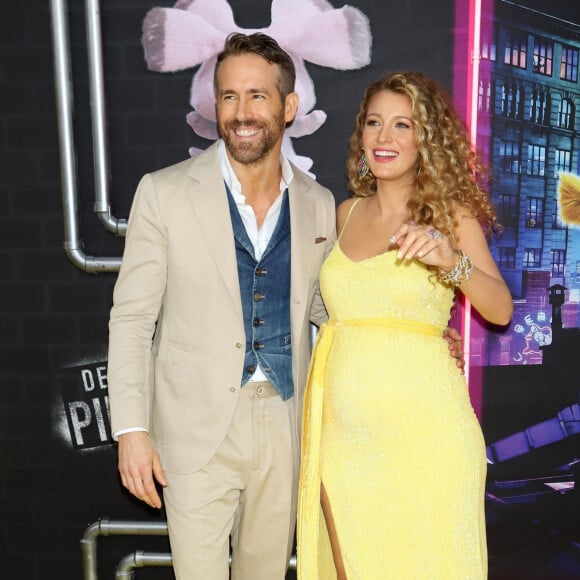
<point>435,234</point>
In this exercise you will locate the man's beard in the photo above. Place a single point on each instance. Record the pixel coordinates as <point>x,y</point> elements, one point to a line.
<point>252,152</point>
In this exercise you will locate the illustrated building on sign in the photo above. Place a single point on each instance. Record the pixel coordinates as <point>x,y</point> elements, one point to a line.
<point>528,131</point>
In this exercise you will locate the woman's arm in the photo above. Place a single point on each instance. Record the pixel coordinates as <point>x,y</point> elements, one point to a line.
<point>485,288</point>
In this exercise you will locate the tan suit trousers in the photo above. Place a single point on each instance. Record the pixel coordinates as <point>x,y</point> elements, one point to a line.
<point>245,495</point>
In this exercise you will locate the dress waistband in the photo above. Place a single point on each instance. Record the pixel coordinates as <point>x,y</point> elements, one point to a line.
<point>410,325</point>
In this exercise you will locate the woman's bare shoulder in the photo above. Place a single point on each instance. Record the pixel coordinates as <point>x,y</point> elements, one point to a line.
<point>343,210</point>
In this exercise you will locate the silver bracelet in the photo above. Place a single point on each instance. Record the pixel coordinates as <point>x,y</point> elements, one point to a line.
<point>460,273</point>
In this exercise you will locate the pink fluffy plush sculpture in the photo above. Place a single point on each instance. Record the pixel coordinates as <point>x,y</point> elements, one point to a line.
<point>193,32</point>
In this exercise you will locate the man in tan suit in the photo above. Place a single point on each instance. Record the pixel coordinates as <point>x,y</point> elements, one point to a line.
<point>209,332</point>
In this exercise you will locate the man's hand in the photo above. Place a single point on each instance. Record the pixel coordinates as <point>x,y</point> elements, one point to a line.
<point>139,463</point>
<point>453,338</point>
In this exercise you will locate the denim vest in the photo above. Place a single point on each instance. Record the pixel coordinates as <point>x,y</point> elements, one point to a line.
<point>265,292</point>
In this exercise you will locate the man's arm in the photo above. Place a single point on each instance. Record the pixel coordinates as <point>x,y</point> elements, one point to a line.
<point>453,338</point>
<point>136,306</point>
<point>140,467</point>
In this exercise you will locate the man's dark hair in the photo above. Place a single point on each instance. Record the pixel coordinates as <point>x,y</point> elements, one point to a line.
<point>266,47</point>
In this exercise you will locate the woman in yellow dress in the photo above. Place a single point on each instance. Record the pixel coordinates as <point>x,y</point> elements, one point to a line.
<point>393,468</point>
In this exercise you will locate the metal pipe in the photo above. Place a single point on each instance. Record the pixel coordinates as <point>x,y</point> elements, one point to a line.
<point>106,527</point>
<point>132,528</point>
<point>89,551</point>
<point>64,105</point>
<point>99,120</point>
<point>292,565</point>
<point>140,559</point>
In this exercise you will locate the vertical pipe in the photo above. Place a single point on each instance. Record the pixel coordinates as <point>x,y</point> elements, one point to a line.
<point>102,205</point>
<point>96,83</point>
<point>64,106</point>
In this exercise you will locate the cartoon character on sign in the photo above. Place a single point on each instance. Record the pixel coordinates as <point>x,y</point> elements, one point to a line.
<point>569,198</point>
<point>536,335</point>
<point>193,32</point>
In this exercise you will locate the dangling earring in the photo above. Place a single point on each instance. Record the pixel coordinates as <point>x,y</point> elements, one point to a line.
<point>363,166</point>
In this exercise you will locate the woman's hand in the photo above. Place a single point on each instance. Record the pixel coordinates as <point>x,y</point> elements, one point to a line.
<point>484,286</point>
<point>426,244</point>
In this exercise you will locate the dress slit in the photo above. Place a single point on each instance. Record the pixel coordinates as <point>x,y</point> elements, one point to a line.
<point>334,538</point>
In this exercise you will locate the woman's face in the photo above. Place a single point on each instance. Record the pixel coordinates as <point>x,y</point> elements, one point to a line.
<point>388,138</point>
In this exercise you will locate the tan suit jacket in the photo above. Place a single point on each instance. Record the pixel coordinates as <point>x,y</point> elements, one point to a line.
<point>176,348</point>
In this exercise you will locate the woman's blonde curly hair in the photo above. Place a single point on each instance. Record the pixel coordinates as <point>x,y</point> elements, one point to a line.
<point>448,171</point>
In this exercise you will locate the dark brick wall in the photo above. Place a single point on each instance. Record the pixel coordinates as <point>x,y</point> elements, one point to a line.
<point>53,317</point>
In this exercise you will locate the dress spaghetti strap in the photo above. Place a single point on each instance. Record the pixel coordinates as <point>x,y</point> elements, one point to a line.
<point>355,203</point>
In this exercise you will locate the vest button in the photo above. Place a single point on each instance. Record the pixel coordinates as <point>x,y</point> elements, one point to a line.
<point>258,322</point>
<point>261,272</point>
<point>258,345</point>
<point>251,369</point>
<point>258,297</point>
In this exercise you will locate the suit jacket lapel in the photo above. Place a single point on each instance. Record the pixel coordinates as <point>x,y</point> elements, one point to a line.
<point>208,200</point>
<point>303,232</point>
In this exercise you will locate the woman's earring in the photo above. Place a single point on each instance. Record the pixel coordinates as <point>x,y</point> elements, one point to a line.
<point>363,166</point>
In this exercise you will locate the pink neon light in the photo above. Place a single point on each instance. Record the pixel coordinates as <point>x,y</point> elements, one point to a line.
<point>468,29</point>
<point>472,94</point>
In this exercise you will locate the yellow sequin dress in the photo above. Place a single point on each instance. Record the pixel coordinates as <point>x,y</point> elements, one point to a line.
<point>390,431</point>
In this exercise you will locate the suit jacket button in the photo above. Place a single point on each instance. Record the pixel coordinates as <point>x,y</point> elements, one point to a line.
<point>239,345</point>
<point>233,389</point>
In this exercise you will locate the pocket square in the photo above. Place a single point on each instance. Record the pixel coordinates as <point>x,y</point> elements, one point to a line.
<point>319,240</point>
